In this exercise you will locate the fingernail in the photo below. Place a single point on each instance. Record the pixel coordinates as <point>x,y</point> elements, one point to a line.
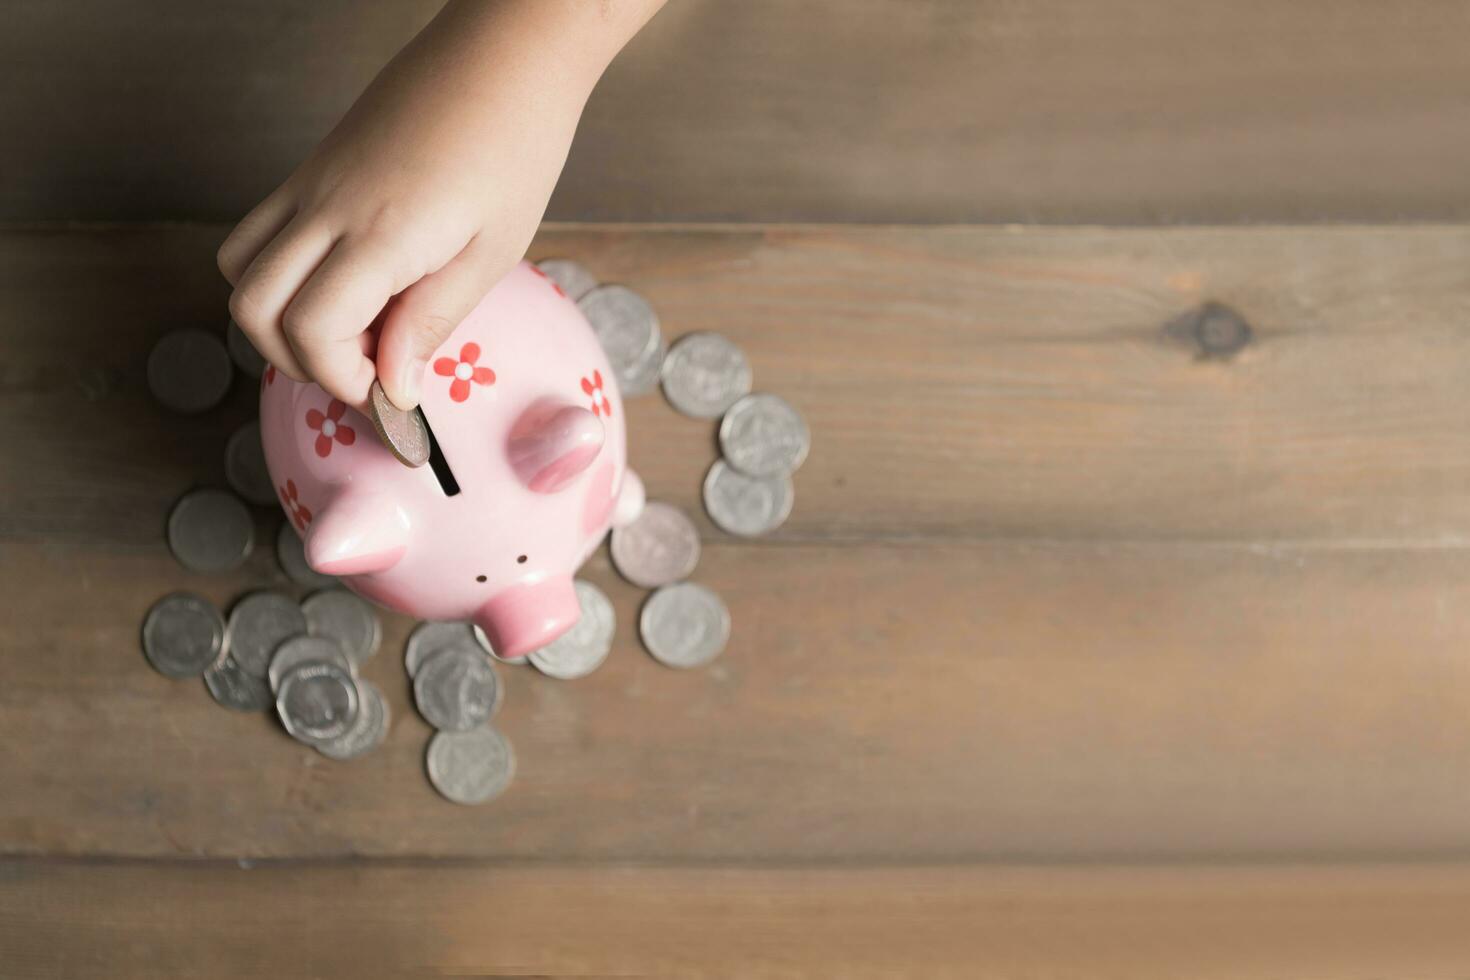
<point>412,380</point>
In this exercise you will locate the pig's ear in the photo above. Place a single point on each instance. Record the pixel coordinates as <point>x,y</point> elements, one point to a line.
<point>551,444</point>
<point>355,534</point>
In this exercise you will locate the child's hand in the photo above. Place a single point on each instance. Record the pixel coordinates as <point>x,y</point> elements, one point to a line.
<point>426,194</point>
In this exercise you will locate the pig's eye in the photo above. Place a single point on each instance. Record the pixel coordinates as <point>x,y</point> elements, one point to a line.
<point>521,560</point>
<point>479,578</point>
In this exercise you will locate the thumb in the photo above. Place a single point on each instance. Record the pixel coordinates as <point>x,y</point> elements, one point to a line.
<point>421,317</point>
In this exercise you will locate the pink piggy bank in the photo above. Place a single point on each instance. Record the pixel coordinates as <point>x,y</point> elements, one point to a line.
<point>529,474</point>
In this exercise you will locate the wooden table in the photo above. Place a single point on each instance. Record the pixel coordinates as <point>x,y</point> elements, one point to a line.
<point>1095,644</point>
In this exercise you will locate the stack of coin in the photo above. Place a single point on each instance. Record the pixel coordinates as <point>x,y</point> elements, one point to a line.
<point>456,690</point>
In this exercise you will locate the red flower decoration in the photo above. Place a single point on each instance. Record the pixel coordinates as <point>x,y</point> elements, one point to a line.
<point>300,516</point>
<point>330,426</point>
<point>593,386</point>
<point>463,371</point>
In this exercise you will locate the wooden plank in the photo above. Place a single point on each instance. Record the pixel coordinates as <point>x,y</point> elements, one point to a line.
<point>959,382</point>
<point>185,920</point>
<point>924,703</point>
<point>1118,111</point>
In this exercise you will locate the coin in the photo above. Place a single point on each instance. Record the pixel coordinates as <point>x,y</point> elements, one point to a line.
<point>660,547</point>
<point>762,435</point>
<point>642,377</point>
<point>433,637</point>
<point>317,702</point>
<point>210,531</point>
<point>304,649</point>
<point>746,505</point>
<point>627,328</point>
<point>404,433</point>
<point>684,625</point>
<point>582,649</point>
<point>470,767</point>
<point>245,465</point>
<point>346,619</point>
<point>182,635</point>
<point>456,689</point>
<point>243,352</point>
<point>291,555</point>
<point>235,689</point>
<point>704,374</point>
<point>189,371</point>
<point>367,732</point>
<point>573,279</point>
<point>259,623</point>
<point>482,638</point>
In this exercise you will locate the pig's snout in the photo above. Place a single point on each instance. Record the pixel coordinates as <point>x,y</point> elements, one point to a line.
<point>527,617</point>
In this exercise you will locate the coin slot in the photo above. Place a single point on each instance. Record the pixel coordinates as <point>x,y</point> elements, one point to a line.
<point>438,463</point>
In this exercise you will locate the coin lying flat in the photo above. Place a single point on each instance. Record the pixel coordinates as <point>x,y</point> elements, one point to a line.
<point>404,433</point>
<point>299,650</point>
<point>367,732</point>
<point>182,635</point>
<point>684,625</point>
<point>573,279</point>
<point>660,547</point>
<point>642,376</point>
<point>762,435</point>
<point>291,554</point>
<point>429,638</point>
<point>627,328</point>
<point>483,638</point>
<point>345,619</point>
<point>245,466</point>
<point>704,374</point>
<point>317,702</point>
<point>470,767</point>
<point>259,623</point>
<point>210,531</point>
<point>235,689</point>
<point>189,371</point>
<point>582,649</point>
<point>456,689</point>
<point>243,352</point>
<point>746,505</point>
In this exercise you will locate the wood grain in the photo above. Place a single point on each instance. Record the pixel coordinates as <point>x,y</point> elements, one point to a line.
<point>171,920</point>
<point>1116,111</point>
<point>1055,586</point>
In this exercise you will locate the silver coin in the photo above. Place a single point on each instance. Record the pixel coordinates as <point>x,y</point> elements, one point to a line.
<point>470,767</point>
<point>704,374</point>
<point>210,531</point>
<point>245,466</point>
<point>235,689</point>
<point>259,623</point>
<point>684,625</point>
<point>573,279</point>
<point>762,435</point>
<point>404,433</point>
<point>746,505</point>
<point>642,377</point>
<point>660,547</point>
<point>243,352</point>
<point>291,554</point>
<point>300,650</point>
<point>346,619</point>
<point>317,702</point>
<point>456,689</point>
<point>582,649</point>
<point>433,637</point>
<point>625,325</point>
<point>189,371</point>
<point>182,635</point>
<point>367,732</point>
